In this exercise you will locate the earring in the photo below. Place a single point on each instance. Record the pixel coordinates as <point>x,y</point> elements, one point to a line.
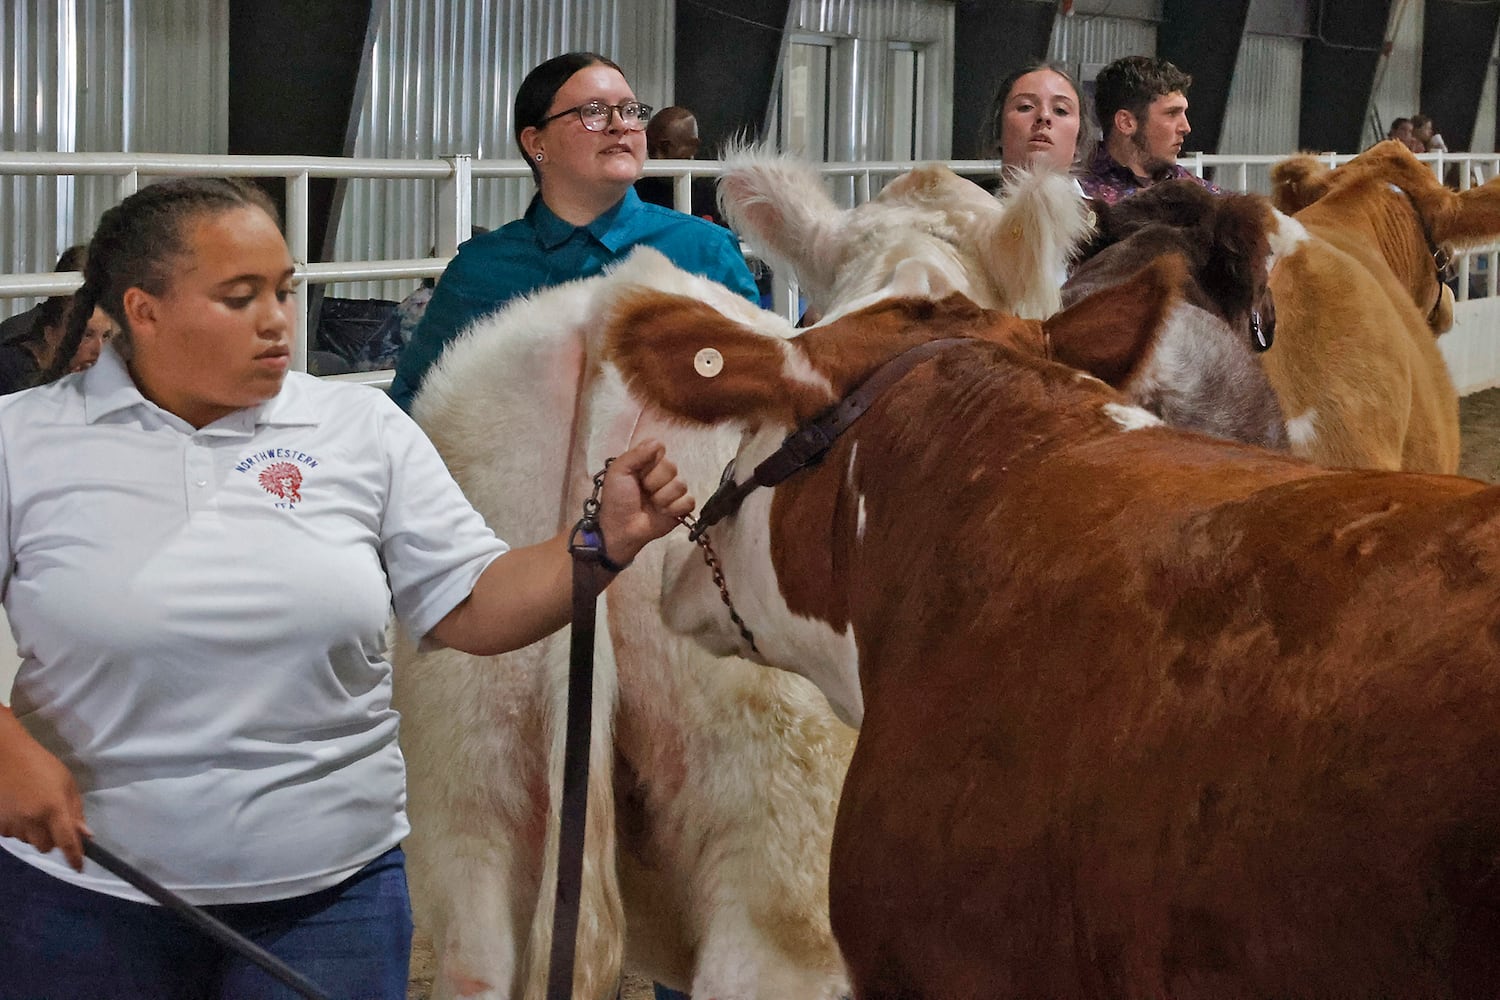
<point>539,157</point>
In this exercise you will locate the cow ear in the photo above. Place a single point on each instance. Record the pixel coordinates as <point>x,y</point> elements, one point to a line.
<point>781,208</point>
<point>1470,217</point>
<point>688,359</point>
<point>1236,271</point>
<point>1025,248</point>
<point>1298,182</point>
<point>1110,332</point>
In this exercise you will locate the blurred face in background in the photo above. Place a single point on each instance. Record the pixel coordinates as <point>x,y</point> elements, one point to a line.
<point>1040,122</point>
<point>98,333</point>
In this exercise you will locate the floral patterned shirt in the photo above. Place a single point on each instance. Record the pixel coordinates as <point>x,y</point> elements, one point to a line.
<point>1108,181</point>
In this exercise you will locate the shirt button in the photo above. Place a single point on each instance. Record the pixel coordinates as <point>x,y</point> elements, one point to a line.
<point>202,482</point>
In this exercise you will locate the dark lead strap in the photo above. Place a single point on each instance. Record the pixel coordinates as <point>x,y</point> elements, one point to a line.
<point>202,921</point>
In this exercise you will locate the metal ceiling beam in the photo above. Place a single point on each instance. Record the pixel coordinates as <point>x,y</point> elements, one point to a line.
<point>1457,39</point>
<point>726,61</point>
<point>1202,37</point>
<point>991,38</point>
<point>1338,72</point>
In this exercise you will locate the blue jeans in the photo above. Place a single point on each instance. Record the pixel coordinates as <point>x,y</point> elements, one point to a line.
<point>62,942</point>
<point>662,993</point>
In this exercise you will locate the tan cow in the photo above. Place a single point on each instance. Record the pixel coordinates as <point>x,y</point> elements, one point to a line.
<point>1144,713</point>
<point>1360,379</point>
<point>1356,375</point>
<point>1386,206</point>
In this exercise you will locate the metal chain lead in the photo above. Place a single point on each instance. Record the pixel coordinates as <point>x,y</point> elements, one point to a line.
<point>591,505</point>
<point>712,560</point>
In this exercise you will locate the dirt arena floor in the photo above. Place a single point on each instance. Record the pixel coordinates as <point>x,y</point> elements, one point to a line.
<point>1479,416</point>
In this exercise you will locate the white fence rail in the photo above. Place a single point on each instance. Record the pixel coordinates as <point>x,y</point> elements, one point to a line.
<point>1471,348</point>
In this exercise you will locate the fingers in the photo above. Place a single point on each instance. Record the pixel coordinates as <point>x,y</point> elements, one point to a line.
<point>673,499</point>
<point>641,458</point>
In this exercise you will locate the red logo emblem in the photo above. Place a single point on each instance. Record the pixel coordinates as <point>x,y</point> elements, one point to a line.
<point>282,479</point>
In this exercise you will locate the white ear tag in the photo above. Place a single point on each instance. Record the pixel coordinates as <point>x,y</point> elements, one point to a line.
<point>708,362</point>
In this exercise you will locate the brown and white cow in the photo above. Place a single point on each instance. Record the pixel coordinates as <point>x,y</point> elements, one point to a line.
<point>712,782</point>
<point>1144,713</point>
<point>711,808</point>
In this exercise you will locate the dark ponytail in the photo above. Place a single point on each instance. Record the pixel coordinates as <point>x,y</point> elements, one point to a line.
<point>136,245</point>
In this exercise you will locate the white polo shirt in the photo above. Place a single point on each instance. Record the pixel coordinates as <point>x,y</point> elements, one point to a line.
<point>201,620</point>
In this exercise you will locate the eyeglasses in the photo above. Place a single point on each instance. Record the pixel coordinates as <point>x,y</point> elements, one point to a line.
<point>595,115</point>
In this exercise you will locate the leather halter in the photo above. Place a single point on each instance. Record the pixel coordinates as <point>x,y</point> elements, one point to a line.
<point>807,445</point>
<point>1442,260</point>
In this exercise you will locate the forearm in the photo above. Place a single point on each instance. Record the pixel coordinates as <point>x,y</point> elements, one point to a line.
<point>523,596</point>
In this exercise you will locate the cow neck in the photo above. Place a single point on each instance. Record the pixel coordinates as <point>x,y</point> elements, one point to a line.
<point>1442,260</point>
<point>807,445</point>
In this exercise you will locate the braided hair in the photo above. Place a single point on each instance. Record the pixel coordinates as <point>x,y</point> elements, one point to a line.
<point>136,245</point>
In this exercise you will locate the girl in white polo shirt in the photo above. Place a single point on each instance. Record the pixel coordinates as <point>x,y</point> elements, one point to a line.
<point>199,554</point>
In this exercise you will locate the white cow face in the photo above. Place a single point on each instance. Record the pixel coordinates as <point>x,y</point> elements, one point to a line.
<point>929,233</point>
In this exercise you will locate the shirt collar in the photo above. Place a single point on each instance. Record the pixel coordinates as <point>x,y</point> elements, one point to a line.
<point>609,228</point>
<point>1103,163</point>
<point>108,388</point>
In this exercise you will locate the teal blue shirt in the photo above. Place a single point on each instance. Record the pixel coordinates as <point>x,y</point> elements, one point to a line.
<point>541,250</point>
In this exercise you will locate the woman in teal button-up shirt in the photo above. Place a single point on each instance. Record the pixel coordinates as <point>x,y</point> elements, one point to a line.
<point>582,132</point>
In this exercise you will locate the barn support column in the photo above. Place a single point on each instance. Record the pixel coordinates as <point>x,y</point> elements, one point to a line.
<point>726,66</point>
<point>1202,37</point>
<point>991,38</point>
<point>1457,39</point>
<point>297,71</point>
<point>1338,72</point>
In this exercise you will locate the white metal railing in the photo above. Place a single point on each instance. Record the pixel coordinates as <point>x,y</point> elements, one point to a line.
<point>455,176</point>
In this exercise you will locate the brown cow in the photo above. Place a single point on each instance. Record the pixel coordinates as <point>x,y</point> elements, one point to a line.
<point>1145,713</point>
<point>1206,376</point>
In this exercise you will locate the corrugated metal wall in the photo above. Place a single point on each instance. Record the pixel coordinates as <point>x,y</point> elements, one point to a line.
<point>861,71</point>
<point>1398,77</point>
<point>1086,42</point>
<point>443,75</point>
<point>100,76</point>
<point>1264,103</point>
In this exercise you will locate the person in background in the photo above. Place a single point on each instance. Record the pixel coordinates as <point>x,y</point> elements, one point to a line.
<point>1037,119</point>
<point>29,341</point>
<point>1142,105</point>
<point>1401,131</point>
<point>672,134</point>
<point>582,132</point>
<point>200,552</point>
<point>1425,132</point>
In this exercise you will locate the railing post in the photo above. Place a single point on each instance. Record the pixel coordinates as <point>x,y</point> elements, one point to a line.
<point>127,184</point>
<point>455,207</point>
<point>297,188</point>
<point>682,193</point>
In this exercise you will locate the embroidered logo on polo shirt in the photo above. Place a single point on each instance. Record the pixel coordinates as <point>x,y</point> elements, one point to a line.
<point>280,472</point>
<point>282,479</point>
